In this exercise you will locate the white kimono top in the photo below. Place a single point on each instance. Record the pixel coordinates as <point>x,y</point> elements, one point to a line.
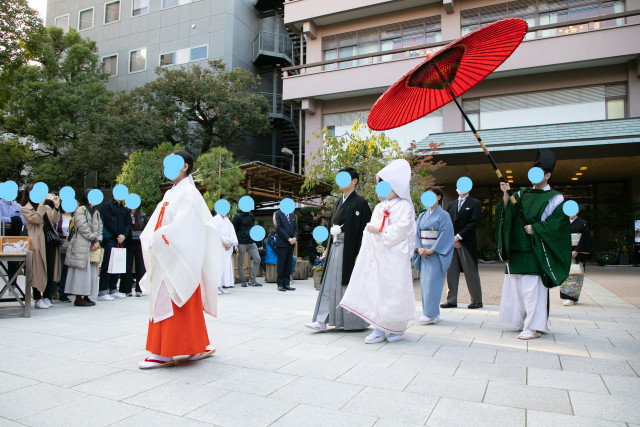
<point>228,234</point>
<point>184,253</point>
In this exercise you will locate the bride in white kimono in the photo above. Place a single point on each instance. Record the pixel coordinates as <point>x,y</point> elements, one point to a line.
<point>381,286</point>
<point>229,243</point>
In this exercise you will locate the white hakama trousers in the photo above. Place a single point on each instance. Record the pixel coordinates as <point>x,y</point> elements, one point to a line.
<point>226,269</point>
<point>524,303</point>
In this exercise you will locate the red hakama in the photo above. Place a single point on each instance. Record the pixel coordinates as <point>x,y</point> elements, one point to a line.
<point>185,332</point>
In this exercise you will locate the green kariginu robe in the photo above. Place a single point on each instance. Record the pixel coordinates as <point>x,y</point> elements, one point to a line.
<point>546,253</point>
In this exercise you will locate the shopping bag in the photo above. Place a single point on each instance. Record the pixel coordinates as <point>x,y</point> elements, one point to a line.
<point>96,256</point>
<point>117,261</point>
<point>575,268</point>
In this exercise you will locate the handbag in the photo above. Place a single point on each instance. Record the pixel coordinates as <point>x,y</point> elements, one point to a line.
<point>52,238</point>
<point>96,256</point>
<point>117,260</point>
<point>575,268</point>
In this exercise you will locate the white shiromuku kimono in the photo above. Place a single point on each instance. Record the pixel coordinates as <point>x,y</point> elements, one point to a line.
<point>184,253</point>
<point>381,286</point>
<point>228,234</point>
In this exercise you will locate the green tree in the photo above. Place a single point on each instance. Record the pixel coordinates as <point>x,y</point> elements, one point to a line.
<point>223,105</point>
<point>422,168</point>
<point>19,24</point>
<point>59,102</point>
<point>15,158</point>
<point>361,149</point>
<point>142,174</point>
<point>220,175</point>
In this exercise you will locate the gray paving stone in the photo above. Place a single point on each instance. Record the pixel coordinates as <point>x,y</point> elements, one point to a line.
<point>547,419</point>
<point>473,354</point>
<point>390,422</point>
<point>611,408</point>
<point>8,423</point>
<point>363,357</point>
<point>121,385</point>
<point>427,364</point>
<point>532,359</point>
<point>624,386</point>
<point>266,345</point>
<point>314,351</point>
<point>110,354</point>
<point>407,407</point>
<point>88,411</point>
<point>149,417</point>
<point>566,380</point>
<point>635,366</point>
<point>549,346</point>
<point>449,412</point>
<point>316,368</point>
<point>356,340</point>
<point>253,381</point>
<point>311,337</point>
<point>528,397</point>
<point>622,352</point>
<point>596,366</point>
<point>312,416</point>
<point>38,397</point>
<point>10,382</point>
<point>490,371</point>
<point>198,372</point>
<point>260,360</point>
<point>372,376</point>
<point>177,398</point>
<point>310,391</point>
<point>70,348</point>
<point>272,333</point>
<point>431,384</point>
<point>242,410</point>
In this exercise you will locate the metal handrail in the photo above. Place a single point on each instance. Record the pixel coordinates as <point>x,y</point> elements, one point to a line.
<point>297,68</point>
<point>277,104</point>
<point>273,42</point>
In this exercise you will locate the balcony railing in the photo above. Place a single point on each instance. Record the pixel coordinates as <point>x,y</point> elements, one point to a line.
<point>273,44</point>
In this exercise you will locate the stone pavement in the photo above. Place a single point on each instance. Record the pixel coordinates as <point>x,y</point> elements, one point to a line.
<point>71,366</point>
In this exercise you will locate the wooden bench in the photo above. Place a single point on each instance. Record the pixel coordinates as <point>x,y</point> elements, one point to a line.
<point>10,286</point>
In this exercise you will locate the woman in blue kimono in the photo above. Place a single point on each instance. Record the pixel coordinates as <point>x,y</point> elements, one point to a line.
<point>434,249</point>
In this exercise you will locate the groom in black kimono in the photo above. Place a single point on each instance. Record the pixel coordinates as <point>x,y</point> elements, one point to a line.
<point>348,219</point>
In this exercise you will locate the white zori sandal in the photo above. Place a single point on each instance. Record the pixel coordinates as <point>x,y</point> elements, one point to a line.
<point>202,355</point>
<point>155,361</point>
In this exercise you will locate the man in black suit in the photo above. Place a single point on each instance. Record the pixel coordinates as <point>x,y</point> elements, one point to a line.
<point>465,214</point>
<point>286,238</point>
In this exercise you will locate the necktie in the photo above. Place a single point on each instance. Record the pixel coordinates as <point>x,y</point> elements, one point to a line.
<point>460,201</point>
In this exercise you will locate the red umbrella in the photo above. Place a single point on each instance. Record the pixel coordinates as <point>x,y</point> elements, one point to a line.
<point>448,73</point>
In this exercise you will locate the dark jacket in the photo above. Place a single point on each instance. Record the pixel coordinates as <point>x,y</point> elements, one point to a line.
<point>116,220</point>
<point>242,223</point>
<point>286,228</point>
<point>583,248</point>
<point>465,223</point>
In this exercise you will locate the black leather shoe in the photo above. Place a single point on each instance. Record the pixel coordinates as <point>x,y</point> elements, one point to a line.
<point>475,305</point>
<point>281,289</point>
<point>289,288</point>
<point>447,305</point>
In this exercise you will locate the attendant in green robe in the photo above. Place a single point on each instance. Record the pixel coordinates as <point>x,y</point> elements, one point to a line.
<point>537,255</point>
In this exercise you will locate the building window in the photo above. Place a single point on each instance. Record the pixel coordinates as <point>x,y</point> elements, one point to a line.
<point>110,65</point>
<point>166,4</point>
<point>140,7</point>
<point>85,19</point>
<point>543,12</point>
<point>137,60</point>
<point>62,22</point>
<point>183,56</point>
<point>582,104</point>
<point>380,39</point>
<point>339,124</point>
<point>112,12</point>
<point>472,108</point>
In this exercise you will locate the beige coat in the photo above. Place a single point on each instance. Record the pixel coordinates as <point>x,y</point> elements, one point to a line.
<point>34,220</point>
<point>88,228</point>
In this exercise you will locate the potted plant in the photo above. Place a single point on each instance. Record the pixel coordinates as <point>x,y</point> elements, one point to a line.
<point>318,269</point>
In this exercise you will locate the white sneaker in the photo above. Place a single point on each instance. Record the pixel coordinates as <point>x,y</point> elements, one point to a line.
<point>224,291</point>
<point>318,326</point>
<point>118,295</point>
<point>569,302</point>
<point>219,292</point>
<point>106,297</point>
<point>138,294</point>
<point>48,302</point>
<point>42,305</point>
<point>395,337</point>
<point>375,336</point>
<point>426,320</point>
